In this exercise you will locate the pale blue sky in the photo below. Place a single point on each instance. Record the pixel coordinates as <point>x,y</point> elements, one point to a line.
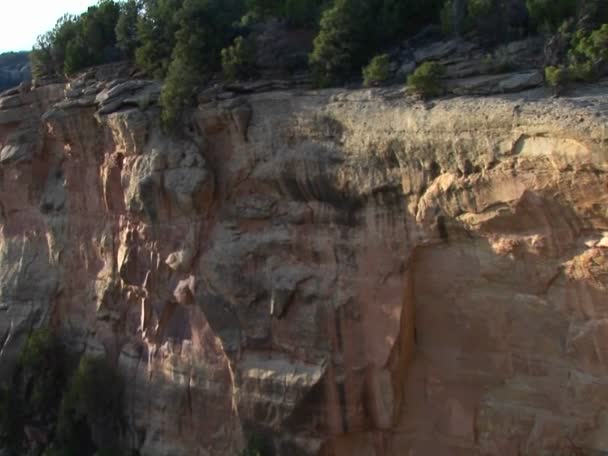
<point>21,21</point>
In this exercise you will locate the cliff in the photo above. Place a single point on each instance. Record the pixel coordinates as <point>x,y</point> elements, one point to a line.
<point>14,69</point>
<point>341,272</point>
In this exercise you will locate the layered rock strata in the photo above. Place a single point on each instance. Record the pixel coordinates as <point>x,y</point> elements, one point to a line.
<point>341,273</point>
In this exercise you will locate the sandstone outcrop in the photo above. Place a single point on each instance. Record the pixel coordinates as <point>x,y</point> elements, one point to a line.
<point>342,273</point>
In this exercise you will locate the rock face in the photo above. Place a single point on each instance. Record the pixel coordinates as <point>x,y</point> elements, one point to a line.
<point>341,273</point>
<point>14,69</point>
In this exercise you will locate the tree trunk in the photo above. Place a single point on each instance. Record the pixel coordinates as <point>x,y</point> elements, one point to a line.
<point>460,11</point>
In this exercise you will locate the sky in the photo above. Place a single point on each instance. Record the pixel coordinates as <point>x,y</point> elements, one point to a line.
<point>21,21</point>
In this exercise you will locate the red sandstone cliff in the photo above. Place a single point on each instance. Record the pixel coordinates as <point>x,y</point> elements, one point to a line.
<point>350,273</point>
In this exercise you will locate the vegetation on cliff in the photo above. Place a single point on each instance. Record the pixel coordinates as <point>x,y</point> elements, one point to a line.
<point>189,42</point>
<point>59,405</point>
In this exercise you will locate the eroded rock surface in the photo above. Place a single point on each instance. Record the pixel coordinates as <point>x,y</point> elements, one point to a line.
<point>343,273</point>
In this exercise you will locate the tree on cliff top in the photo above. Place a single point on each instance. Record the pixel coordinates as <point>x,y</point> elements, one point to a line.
<point>352,31</point>
<point>126,27</point>
<point>77,42</point>
<point>203,28</point>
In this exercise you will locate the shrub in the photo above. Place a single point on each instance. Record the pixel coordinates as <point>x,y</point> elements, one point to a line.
<point>11,420</point>
<point>446,17</point>
<point>426,80</point>
<point>351,31</point>
<point>258,445</point>
<point>35,390</point>
<point>583,71</point>
<point>338,48</point>
<point>43,370</point>
<point>299,13</point>
<point>500,61</point>
<point>78,41</point>
<point>238,60</point>
<point>480,8</point>
<point>91,412</point>
<point>556,77</point>
<point>126,27</point>
<point>177,93</point>
<point>551,13</point>
<point>377,71</point>
<point>156,31</point>
<point>592,46</point>
<point>83,418</point>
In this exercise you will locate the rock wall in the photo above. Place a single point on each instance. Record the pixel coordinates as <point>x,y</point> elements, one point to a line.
<point>15,68</point>
<point>342,273</point>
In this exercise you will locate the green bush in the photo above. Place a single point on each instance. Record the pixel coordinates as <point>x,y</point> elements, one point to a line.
<point>238,60</point>
<point>592,46</point>
<point>178,93</point>
<point>42,364</point>
<point>91,412</point>
<point>77,42</point>
<point>352,31</point>
<point>82,416</point>
<point>35,391</point>
<point>500,61</point>
<point>551,13</point>
<point>556,77</point>
<point>338,48</point>
<point>377,71</point>
<point>426,80</point>
<point>446,17</point>
<point>258,445</point>
<point>298,13</point>
<point>583,71</point>
<point>480,8</point>
<point>156,30</point>
<point>126,27</point>
<point>204,27</point>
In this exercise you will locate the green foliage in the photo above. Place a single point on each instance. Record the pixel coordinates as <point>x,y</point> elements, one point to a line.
<point>400,18</point>
<point>298,13</point>
<point>551,13</point>
<point>446,17</point>
<point>377,71</point>
<point>238,60</point>
<point>42,364</point>
<point>500,61</point>
<point>90,414</point>
<point>587,59</point>
<point>556,77</point>
<point>352,31</point>
<point>592,14</point>
<point>344,41</point>
<point>426,80</point>
<point>80,416</point>
<point>480,8</point>
<point>583,71</point>
<point>593,46</point>
<point>156,31</point>
<point>35,391</point>
<point>126,27</point>
<point>203,29</point>
<point>77,41</point>
<point>177,93</point>
<point>257,445</point>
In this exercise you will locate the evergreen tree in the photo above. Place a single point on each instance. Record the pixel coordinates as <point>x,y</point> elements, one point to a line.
<point>156,31</point>
<point>126,27</point>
